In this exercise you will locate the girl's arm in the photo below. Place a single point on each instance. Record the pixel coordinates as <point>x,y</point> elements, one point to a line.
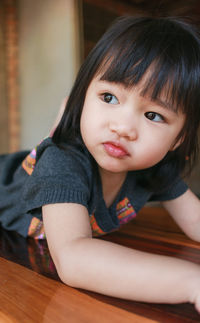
<point>186,212</point>
<point>111,269</point>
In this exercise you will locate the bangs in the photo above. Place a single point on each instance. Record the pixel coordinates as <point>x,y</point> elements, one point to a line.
<point>164,63</point>
<point>161,56</point>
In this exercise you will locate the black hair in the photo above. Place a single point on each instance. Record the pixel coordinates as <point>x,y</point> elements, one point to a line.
<point>169,50</point>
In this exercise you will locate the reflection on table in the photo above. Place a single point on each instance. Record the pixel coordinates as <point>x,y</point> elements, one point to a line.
<point>152,231</point>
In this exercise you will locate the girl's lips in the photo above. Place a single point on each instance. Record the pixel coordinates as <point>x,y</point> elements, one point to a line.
<point>115,149</point>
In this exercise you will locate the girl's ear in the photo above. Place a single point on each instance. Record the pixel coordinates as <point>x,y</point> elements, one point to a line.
<point>177,144</point>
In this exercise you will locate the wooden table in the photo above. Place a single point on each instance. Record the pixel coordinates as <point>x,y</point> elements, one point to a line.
<point>30,290</point>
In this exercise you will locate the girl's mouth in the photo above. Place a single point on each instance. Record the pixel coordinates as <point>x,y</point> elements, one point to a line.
<point>115,150</point>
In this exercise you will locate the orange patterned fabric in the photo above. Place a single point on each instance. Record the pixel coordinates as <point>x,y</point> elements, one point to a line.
<point>125,211</point>
<point>36,229</point>
<point>29,162</point>
<point>96,230</point>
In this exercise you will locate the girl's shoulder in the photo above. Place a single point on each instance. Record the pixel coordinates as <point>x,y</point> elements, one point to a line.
<point>57,175</point>
<point>49,159</point>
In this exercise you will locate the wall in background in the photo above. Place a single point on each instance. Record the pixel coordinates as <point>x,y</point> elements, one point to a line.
<point>9,89</point>
<point>49,57</point>
<point>4,137</point>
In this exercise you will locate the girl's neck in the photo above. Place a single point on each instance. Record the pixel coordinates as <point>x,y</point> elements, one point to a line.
<point>111,184</point>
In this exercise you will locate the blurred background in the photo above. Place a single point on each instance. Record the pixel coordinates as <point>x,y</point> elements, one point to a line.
<point>42,44</point>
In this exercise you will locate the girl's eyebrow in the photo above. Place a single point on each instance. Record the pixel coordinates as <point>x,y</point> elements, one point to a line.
<point>164,105</point>
<point>156,101</point>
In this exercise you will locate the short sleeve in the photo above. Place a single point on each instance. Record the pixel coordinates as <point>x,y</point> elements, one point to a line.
<point>59,176</point>
<point>178,188</point>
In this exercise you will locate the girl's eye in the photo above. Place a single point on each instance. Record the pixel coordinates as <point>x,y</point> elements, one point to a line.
<point>110,98</point>
<point>156,117</point>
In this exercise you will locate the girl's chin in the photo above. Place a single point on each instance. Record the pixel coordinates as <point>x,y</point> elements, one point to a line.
<point>113,168</point>
<point>110,167</point>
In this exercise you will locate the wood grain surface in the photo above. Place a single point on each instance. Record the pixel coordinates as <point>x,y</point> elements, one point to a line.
<point>26,296</point>
<point>30,290</point>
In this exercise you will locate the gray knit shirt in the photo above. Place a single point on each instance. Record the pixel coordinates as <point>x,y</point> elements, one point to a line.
<point>48,174</point>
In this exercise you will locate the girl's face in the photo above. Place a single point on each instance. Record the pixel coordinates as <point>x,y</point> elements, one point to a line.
<point>125,131</point>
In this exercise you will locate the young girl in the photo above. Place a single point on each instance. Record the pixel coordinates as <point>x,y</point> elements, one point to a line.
<point>129,131</point>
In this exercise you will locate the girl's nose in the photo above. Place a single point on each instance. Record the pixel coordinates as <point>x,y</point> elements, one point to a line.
<point>126,129</point>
